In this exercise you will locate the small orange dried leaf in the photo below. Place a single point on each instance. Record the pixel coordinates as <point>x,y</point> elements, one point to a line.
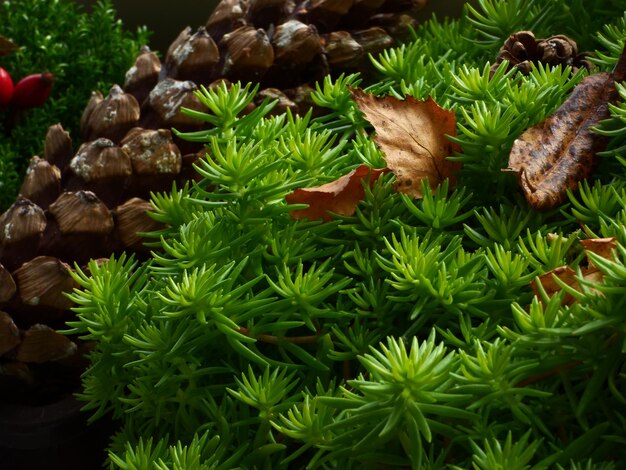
<point>600,246</point>
<point>412,135</point>
<point>340,196</point>
<point>547,280</point>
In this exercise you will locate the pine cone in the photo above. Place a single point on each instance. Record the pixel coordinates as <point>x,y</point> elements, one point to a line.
<point>76,205</point>
<point>285,44</point>
<point>522,49</point>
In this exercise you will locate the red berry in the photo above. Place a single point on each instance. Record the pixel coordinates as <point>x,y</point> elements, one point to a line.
<point>33,90</point>
<point>6,87</point>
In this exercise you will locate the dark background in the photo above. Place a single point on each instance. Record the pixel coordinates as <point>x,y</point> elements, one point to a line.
<point>166,18</point>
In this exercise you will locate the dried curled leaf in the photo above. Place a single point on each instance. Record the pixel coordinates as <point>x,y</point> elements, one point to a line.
<point>558,153</point>
<point>566,275</point>
<point>412,135</point>
<point>340,196</point>
<point>548,281</point>
<point>600,246</point>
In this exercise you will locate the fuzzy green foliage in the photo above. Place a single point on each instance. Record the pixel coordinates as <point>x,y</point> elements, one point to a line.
<point>84,51</point>
<point>406,335</point>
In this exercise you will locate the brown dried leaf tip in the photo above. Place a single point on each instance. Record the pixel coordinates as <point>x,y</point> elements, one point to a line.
<point>412,135</point>
<point>553,280</point>
<point>340,196</point>
<point>556,154</point>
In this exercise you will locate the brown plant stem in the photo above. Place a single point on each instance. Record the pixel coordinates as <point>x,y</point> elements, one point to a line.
<point>547,374</point>
<point>271,339</point>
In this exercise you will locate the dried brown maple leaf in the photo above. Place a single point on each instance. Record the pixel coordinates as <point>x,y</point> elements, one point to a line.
<point>340,196</point>
<point>412,135</point>
<point>556,154</point>
<point>566,275</point>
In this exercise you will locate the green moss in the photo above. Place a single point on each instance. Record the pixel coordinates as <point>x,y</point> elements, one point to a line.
<point>406,335</point>
<point>85,52</point>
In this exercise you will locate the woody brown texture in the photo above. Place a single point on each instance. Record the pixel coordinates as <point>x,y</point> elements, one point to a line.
<point>88,202</point>
<point>522,49</point>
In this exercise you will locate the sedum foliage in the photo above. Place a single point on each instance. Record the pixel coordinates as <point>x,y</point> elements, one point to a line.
<point>406,335</point>
<point>84,51</point>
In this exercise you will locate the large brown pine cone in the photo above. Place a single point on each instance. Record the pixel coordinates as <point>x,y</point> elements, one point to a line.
<point>285,43</point>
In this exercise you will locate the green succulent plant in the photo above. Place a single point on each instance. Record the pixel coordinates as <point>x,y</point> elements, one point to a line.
<point>406,335</point>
